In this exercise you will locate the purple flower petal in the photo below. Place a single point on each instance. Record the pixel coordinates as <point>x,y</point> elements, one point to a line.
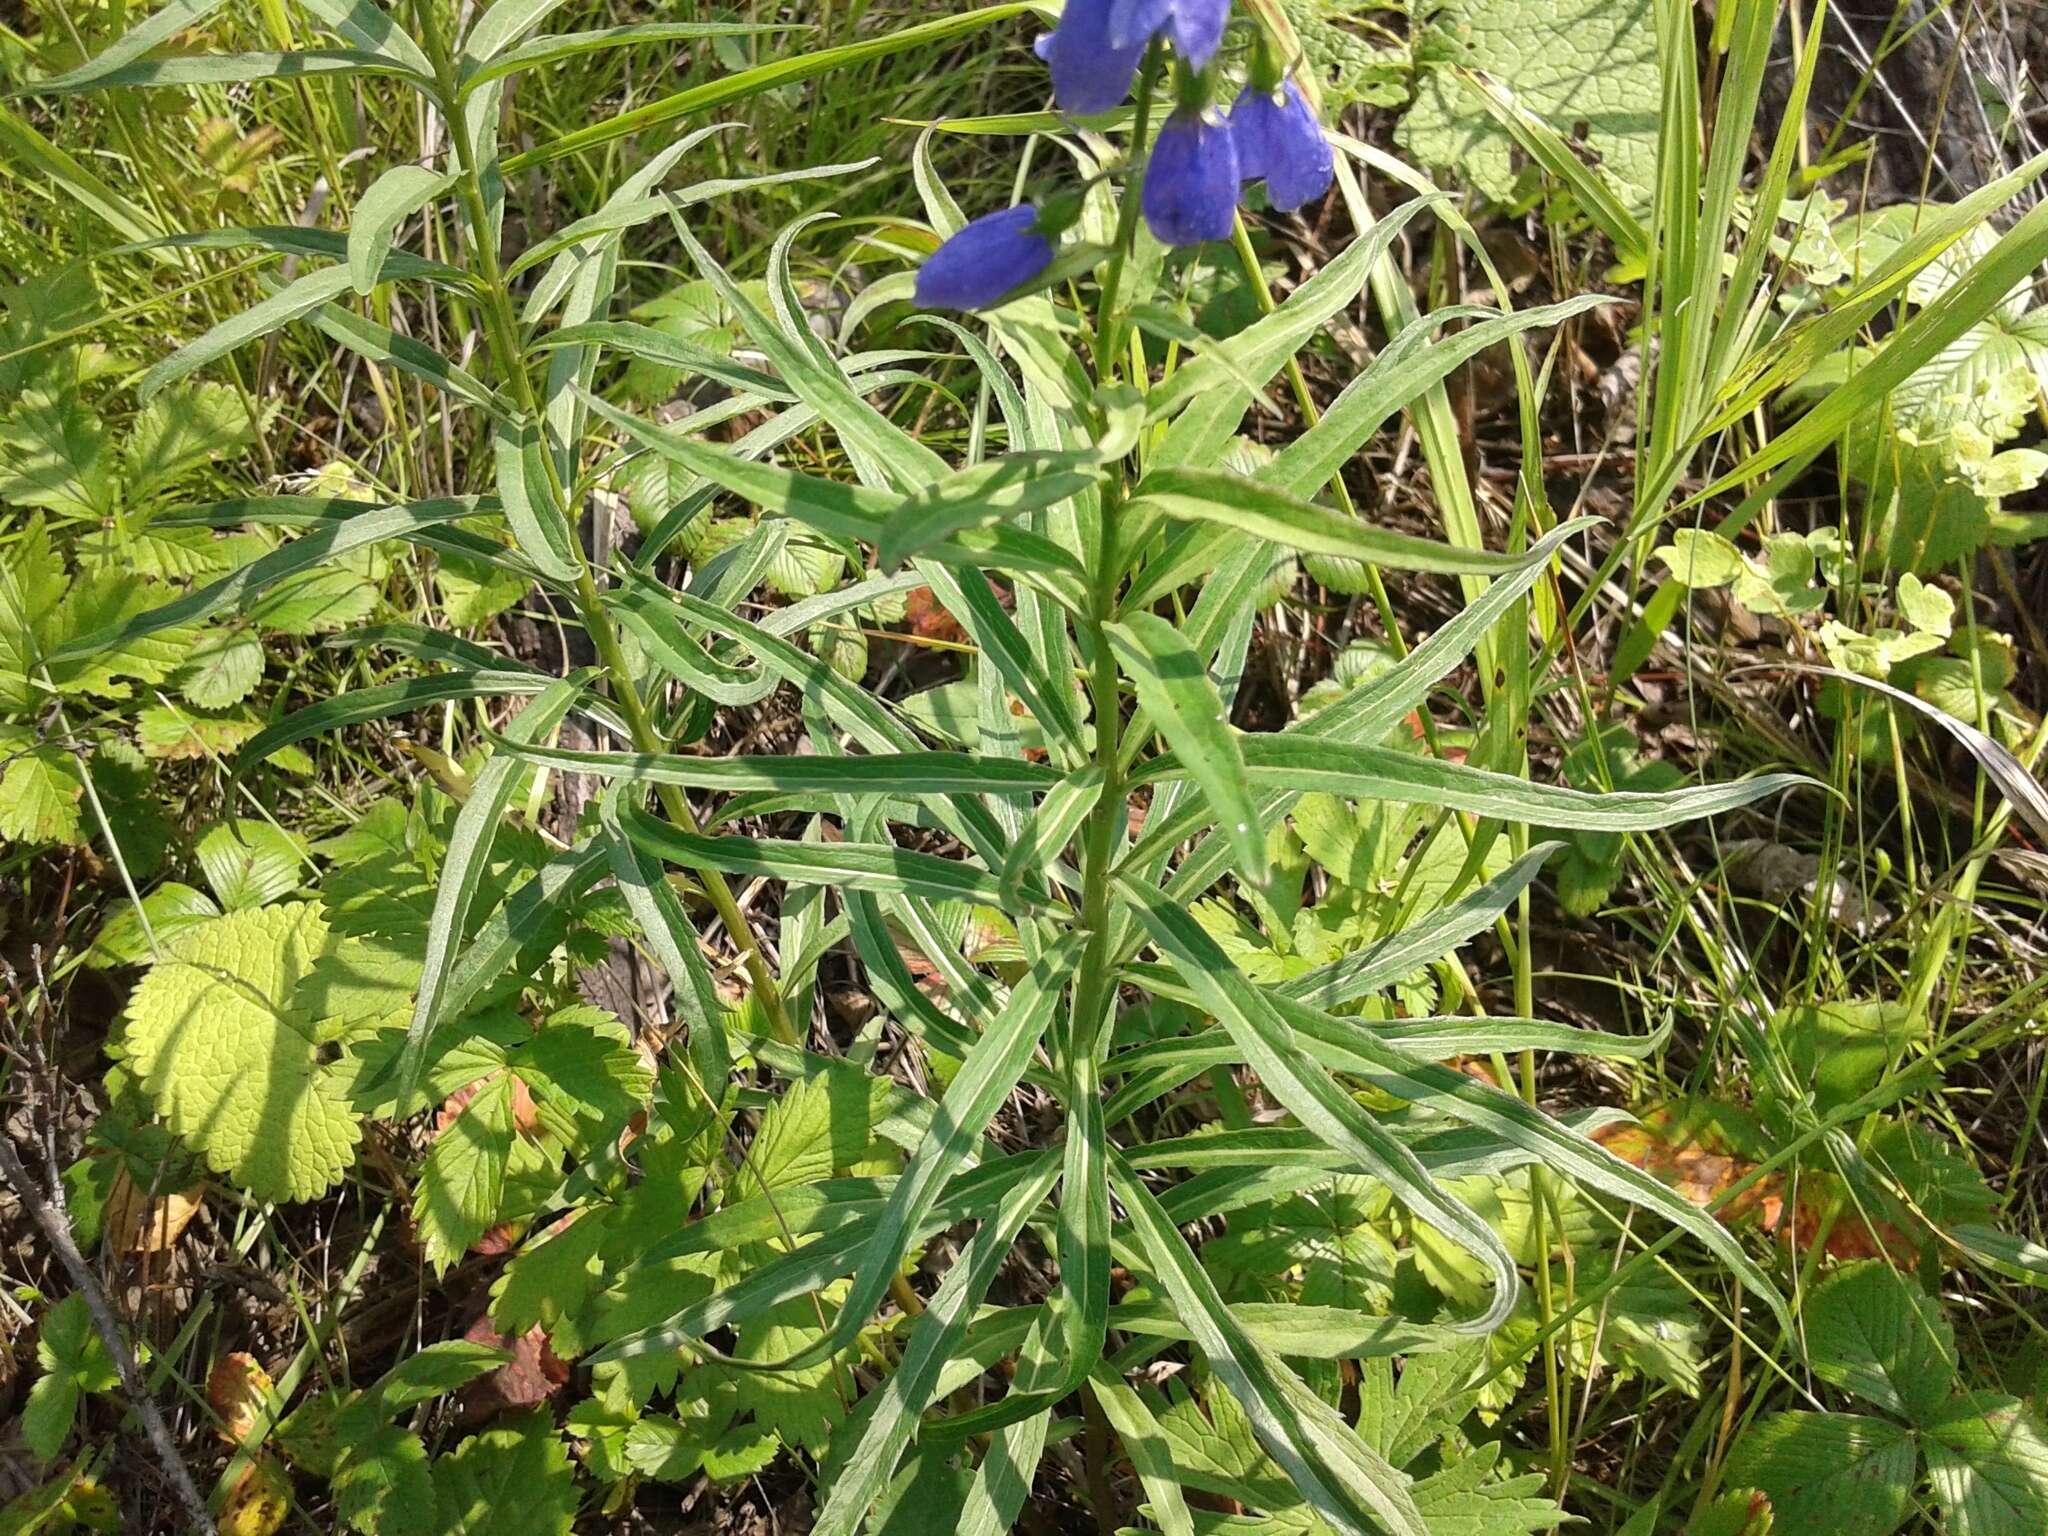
<point>1090,73</point>
<point>1196,28</point>
<point>1280,142</point>
<point>984,260</point>
<point>1191,182</point>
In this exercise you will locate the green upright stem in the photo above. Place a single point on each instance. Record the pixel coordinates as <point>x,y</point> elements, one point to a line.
<point>502,328</point>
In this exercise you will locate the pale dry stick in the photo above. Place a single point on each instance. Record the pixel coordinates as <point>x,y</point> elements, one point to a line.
<point>55,1221</point>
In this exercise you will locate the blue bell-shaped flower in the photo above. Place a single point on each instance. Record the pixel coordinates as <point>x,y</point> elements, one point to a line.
<point>984,260</point>
<point>1089,73</point>
<point>1194,27</point>
<point>1191,181</point>
<point>1279,140</point>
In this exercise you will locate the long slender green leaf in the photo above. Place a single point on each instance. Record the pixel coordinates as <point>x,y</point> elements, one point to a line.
<point>838,509</point>
<point>537,907</point>
<point>994,490</point>
<point>1416,361</point>
<point>673,938</point>
<point>650,345</point>
<point>402,697</point>
<point>293,301</point>
<point>1308,765</point>
<point>538,51</point>
<point>1174,690</point>
<point>153,32</point>
<point>1401,954</point>
<point>391,199</point>
<point>1263,347</point>
<point>933,1341</point>
<point>906,774</point>
<point>368,25</point>
<point>1051,828</point>
<point>381,344</point>
<point>1348,1484</point>
<point>540,525</point>
<point>1484,1107</point>
<point>629,212</point>
<point>236,69</point>
<point>1251,506</point>
<point>867,866</point>
<point>238,589</point>
<point>1250,1016</point>
<point>463,866</point>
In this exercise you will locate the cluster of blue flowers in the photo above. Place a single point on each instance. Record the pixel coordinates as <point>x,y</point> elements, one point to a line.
<point>1198,163</point>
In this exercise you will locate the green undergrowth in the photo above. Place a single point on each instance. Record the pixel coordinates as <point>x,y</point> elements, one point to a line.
<point>1373,878</point>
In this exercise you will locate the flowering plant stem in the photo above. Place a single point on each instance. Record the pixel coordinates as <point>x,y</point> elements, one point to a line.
<point>501,328</point>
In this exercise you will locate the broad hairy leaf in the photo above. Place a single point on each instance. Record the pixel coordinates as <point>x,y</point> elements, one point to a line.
<point>230,1064</point>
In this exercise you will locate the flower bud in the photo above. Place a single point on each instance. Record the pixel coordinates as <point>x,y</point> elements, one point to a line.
<point>984,260</point>
<point>1191,181</point>
<point>1279,141</point>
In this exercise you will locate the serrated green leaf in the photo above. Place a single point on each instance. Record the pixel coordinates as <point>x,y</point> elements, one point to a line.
<point>1174,689</point>
<point>383,1485</point>
<point>1841,1474</point>
<point>230,1066</point>
<point>1987,1458</point>
<point>40,792</point>
<point>1875,1334</point>
<point>250,863</point>
<point>585,1076</point>
<point>1608,80</point>
<point>74,1361</point>
<point>513,1479</point>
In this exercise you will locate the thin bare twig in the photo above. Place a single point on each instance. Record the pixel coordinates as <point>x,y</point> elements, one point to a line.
<point>55,1221</point>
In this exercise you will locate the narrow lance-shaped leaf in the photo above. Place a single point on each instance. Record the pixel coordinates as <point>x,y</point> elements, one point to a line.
<point>1309,765</point>
<point>1174,690</point>
<point>539,525</point>
<point>293,301</point>
<point>391,199</point>
<point>238,589</point>
<point>153,32</point>
<point>1388,1067</point>
<point>904,773</point>
<point>994,490</point>
<point>1253,507</point>
<point>933,1340</point>
<point>673,938</point>
<point>1052,827</point>
<point>380,344</point>
<point>539,51</point>
<point>867,866</point>
<point>463,867</point>
<point>240,69</point>
<point>368,25</point>
<point>1400,954</point>
<point>985,1079</point>
<point>763,77</point>
<point>1255,1025</point>
<point>383,700</point>
<point>1394,379</point>
<point>1344,1481</point>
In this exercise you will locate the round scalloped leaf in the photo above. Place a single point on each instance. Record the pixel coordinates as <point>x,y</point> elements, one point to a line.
<point>228,1064</point>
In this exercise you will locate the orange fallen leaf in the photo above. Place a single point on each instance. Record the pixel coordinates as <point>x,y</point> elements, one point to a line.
<point>136,1223</point>
<point>928,620</point>
<point>1686,1153</point>
<point>236,1389</point>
